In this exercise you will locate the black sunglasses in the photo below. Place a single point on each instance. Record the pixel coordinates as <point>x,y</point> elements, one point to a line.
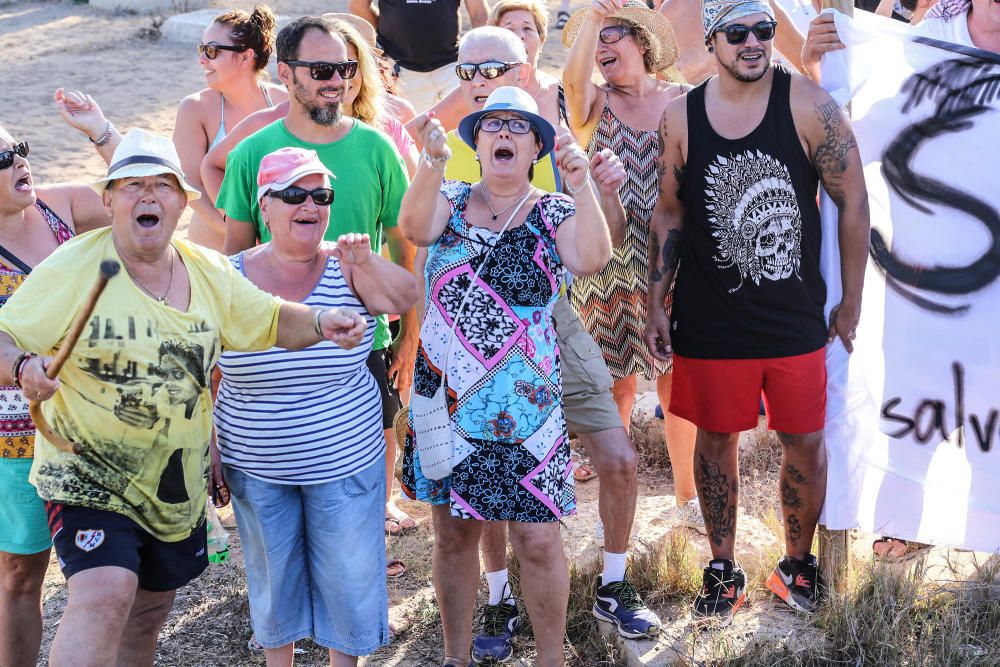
<point>211,50</point>
<point>490,69</point>
<point>738,33</point>
<point>614,33</point>
<point>295,195</point>
<point>321,71</point>
<point>7,157</point>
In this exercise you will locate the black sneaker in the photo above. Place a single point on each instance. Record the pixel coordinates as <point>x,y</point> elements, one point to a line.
<point>796,582</point>
<point>619,603</point>
<point>722,594</point>
<point>494,643</point>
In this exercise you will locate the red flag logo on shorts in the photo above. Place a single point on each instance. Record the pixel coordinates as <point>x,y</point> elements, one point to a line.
<point>88,540</point>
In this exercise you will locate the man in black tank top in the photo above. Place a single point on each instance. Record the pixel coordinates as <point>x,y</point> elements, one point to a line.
<point>737,224</point>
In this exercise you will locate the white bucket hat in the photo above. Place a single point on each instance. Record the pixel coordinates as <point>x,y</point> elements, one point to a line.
<point>143,153</point>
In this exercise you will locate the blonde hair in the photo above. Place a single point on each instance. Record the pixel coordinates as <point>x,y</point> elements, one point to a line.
<point>367,106</point>
<point>537,10</point>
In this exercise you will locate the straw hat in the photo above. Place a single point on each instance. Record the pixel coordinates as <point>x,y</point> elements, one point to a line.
<point>636,12</point>
<point>143,153</point>
<point>366,29</point>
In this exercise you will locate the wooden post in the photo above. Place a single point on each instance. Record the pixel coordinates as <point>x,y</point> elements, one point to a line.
<point>835,545</point>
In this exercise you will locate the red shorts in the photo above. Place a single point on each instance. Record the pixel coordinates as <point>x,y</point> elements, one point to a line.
<point>723,395</point>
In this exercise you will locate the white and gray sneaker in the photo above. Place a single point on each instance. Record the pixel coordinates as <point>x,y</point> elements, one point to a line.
<point>689,516</point>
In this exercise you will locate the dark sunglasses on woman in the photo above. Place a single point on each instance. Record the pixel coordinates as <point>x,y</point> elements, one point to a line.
<point>321,71</point>
<point>490,69</point>
<point>738,33</point>
<point>7,157</point>
<point>515,125</point>
<point>614,33</point>
<point>211,50</point>
<point>295,195</point>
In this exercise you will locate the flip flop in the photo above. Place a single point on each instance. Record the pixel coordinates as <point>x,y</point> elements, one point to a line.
<point>395,569</point>
<point>397,527</point>
<point>561,19</point>
<point>896,550</point>
<point>583,470</point>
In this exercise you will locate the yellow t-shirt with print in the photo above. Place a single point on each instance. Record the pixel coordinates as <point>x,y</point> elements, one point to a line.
<point>463,166</point>
<point>135,390</point>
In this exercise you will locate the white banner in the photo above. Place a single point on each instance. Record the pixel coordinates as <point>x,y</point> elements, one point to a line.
<point>913,415</point>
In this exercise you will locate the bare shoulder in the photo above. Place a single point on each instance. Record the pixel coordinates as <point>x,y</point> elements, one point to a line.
<point>806,97</point>
<point>673,90</point>
<point>673,122</point>
<point>196,105</point>
<point>59,198</point>
<point>277,93</point>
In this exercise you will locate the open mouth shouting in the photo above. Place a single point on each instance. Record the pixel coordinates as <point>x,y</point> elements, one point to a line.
<point>607,61</point>
<point>503,154</point>
<point>753,57</point>
<point>332,94</point>
<point>147,220</point>
<point>23,184</point>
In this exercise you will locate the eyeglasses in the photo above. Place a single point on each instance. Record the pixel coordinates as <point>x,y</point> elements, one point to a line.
<point>738,33</point>
<point>490,69</point>
<point>211,50</point>
<point>295,195</point>
<point>516,125</point>
<point>321,71</point>
<point>614,33</point>
<point>7,157</point>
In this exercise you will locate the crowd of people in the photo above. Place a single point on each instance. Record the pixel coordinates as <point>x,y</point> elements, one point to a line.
<point>417,231</point>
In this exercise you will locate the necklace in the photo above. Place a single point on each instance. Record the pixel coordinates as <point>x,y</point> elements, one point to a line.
<point>160,299</point>
<point>485,192</point>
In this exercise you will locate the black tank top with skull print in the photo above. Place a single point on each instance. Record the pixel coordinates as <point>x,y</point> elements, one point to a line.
<point>749,283</point>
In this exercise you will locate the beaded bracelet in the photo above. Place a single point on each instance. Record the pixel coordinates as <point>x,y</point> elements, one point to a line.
<point>105,138</point>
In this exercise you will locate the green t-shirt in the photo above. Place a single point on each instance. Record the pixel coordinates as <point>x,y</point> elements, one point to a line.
<point>136,389</point>
<point>369,185</point>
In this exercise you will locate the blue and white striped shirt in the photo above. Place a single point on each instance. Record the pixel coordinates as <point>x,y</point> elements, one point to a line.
<point>306,416</point>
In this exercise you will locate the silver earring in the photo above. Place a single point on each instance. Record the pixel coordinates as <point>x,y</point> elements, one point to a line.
<point>535,161</point>
<point>477,158</point>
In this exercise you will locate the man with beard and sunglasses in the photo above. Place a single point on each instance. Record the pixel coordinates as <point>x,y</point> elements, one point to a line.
<point>370,177</point>
<point>742,156</point>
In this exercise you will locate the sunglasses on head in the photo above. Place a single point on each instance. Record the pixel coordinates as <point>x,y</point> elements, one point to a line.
<point>490,69</point>
<point>738,33</point>
<point>296,195</point>
<point>211,50</point>
<point>515,125</point>
<point>321,71</point>
<point>614,33</point>
<point>7,157</point>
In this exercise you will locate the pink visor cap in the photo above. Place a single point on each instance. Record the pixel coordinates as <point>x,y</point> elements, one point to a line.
<point>284,166</point>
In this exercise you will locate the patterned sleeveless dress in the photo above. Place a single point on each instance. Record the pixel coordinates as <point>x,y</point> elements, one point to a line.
<point>17,433</point>
<point>612,303</point>
<point>511,460</point>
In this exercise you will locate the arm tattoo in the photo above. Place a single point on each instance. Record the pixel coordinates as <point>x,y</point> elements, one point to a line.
<point>830,158</point>
<point>670,254</point>
<point>661,148</point>
<point>679,177</point>
<point>718,497</point>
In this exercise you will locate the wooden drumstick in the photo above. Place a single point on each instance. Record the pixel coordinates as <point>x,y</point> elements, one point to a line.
<point>109,269</point>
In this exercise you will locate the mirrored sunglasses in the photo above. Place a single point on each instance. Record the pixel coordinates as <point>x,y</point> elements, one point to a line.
<point>7,157</point>
<point>321,71</point>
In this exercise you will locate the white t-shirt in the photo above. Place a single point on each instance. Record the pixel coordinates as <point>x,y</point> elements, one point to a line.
<point>801,12</point>
<point>954,29</point>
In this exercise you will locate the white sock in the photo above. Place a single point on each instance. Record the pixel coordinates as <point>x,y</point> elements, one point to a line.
<point>614,568</point>
<point>497,582</point>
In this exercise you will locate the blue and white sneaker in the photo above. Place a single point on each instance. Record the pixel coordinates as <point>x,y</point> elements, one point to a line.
<point>494,643</point>
<point>619,603</point>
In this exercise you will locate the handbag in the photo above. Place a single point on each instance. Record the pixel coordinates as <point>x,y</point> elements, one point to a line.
<point>431,419</point>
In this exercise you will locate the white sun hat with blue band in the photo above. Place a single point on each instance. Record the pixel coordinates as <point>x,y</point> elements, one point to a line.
<point>143,153</point>
<point>515,100</point>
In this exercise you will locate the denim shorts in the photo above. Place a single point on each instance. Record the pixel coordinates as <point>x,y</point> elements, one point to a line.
<point>315,559</point>
<point>22,512</point>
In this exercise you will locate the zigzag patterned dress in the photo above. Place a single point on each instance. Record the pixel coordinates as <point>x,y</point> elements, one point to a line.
<point>612,303</point>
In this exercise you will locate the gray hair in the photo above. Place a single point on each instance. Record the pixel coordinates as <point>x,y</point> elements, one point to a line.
<point>508,46</point>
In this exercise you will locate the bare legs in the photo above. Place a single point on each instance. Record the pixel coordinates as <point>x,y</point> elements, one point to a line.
<point>680,436</point>
<point>803,489</point>
<point>544,574</point>
<point>112,618</point>
<point>21,578</point>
